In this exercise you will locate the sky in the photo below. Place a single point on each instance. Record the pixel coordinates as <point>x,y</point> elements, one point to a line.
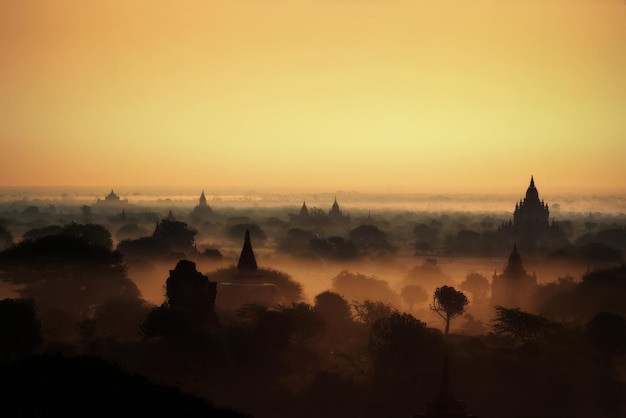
<point>321,95</point>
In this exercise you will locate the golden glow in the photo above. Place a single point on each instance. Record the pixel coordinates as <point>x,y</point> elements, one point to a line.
<point>372,95</point>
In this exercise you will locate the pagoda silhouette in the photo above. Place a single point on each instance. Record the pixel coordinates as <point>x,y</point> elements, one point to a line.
<point>514,287</point>
<point>247,285</point>
<point>530,227</point>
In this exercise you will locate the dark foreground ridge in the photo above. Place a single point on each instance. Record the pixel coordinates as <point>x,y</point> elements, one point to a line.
<point>88,386</point>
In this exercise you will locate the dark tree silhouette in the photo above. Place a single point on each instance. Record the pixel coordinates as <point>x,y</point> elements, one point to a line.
<point>177,235</point>
<point>93,234</point>
<point>42,232</point>
<point>131,231</point>
<point>336,313</point>
<point>368,238</point>
<point>369,311</point>
<point>305,324</point>
<point>332,306</point>
<point>143,248</point>
<point>6,238</point>
<point>607,331</point>
<point>65,272</point>
<point>119,318</point>
<point>288,289</point>
<point>448,303</point>
<point>522,326</point>
<point>20,330</point>
<point>400,344</point>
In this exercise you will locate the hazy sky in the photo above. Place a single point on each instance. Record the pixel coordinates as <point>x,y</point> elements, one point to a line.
<point>416,95</point>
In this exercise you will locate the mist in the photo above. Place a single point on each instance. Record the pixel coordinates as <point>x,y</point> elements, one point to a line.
<point>338,309</point>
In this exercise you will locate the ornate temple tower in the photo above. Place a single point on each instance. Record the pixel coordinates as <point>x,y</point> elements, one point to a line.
<point>514,287</point>
<point>531,228</point>
<point>531,213</point>
<point>202,210</point>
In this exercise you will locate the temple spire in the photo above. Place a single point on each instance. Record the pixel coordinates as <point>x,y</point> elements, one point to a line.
<point>247,260</point>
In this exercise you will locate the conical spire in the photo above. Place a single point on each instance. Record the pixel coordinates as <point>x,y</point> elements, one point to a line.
<point>446,404</point>
<point>514,267</point>
<point>304,211</point>
<point>247,261</point>
<point>531,192</point>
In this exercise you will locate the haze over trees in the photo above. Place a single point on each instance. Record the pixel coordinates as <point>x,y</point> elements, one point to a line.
<point>345,328</point>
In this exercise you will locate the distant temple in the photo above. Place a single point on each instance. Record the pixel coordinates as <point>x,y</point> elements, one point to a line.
<point>514,287</point>
<point>304,212</point>
<point>112,199</point>
<point>247,284</point>
<point>531,213</point>
<point>531,228</point>
<point>336,216</point>
<point>202,210</point>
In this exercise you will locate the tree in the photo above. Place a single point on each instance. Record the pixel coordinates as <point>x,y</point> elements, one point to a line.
<point>305,324</point>
<point>93,234</point>
<point>522,326</point>
<point>428,275</point>
<point>357,286</point>
<point>333,307</point>
<point>369,238</point>
<point>336,313</point>
<point>370,311</point>
<point>400,344</point>
<point>177,235</point>
<point>412,294</point>
<point>607,331</point>
<point>477,285</point>
<point>6,238</point>
<point>20,330</point>
<point>66,272</point>
<point>288,289</point>
<point>448,303</point>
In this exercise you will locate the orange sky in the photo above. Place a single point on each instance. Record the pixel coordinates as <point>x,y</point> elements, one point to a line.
<point>320,95</point>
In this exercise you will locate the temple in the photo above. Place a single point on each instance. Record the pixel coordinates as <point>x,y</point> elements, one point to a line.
<point>247,260</point>
<point>531,228</point>
<point>514,287</point>
<point>191,290</point>
<point>112,199</point>
<point>336,216</point>
<point>247,284</point>
<point>202,210</point>
<point>531,213</point>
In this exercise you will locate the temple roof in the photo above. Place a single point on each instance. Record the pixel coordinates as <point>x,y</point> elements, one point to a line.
<point>514,267</point>
<point>531,192</point>
<point>247,260</point>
